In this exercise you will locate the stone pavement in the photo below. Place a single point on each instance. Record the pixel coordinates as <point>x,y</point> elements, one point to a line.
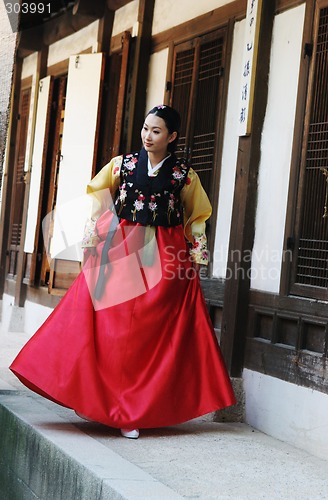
<point>48,453</point>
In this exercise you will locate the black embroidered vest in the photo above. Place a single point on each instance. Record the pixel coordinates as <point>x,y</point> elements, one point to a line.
<point>153,201</point>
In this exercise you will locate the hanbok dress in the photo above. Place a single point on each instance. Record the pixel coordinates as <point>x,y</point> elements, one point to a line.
<point>131,344</point>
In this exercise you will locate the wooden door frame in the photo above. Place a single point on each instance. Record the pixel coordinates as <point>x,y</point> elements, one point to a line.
<point>299,143</point>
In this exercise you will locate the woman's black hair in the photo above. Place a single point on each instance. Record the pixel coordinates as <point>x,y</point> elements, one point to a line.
<point>172,121</point>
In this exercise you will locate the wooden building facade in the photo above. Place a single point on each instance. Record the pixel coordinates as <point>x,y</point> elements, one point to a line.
<point>83,81</point>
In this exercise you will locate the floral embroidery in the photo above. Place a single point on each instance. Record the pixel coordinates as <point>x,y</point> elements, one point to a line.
<point>121,197</point>
<point>149,206</point>
<point>130,164</point>
<point>199,252</point>
<point>90,238</point>
<point>123,193</point>
<point>171,202</point>
<point>152,205</point>
<point>177,174</point>
<point>171,207</point>
<point>138,205</point>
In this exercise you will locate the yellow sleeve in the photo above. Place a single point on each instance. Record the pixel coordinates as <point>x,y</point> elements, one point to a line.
<point>102,189</point>
<point>197,209</point>
<point>104,186</point>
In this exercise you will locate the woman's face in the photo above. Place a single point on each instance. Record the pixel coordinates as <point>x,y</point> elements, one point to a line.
<point>155,136</point>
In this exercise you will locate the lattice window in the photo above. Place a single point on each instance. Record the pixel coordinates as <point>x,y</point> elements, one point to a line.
<point>196,94</point>
<point>183,78</point>
<point>312,259</point>
<point>210,71</point>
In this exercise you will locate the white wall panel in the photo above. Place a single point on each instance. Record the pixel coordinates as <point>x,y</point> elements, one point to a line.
<point>157,79</point>
<point>29,65</point>
<point>36,171</point>
<point>294,414</point>
<point>276,148</point>
<point>229,157</point>
<point>125,17</point>
<point>74,44</point>
<point>172,13</point>
<point>81,110</point>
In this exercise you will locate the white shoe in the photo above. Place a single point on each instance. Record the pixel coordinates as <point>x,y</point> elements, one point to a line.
<point>130,433</point>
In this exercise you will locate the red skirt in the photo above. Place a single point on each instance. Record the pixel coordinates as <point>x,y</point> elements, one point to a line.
<point>142,355</point>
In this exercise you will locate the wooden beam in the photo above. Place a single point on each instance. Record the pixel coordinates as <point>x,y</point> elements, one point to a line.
<point>282,5</point>
<point>65,25</point>
<point>29,41</point>
<point>283,362</point>
<point>117,4</point>
<point>116,41</point>
<point>86,8</point>
<point>73,20</point>
<point>121,94</point>
<point>237,287</point>
<point>105,31</point>
<point>210,21</point>
<point>140,73</point>
<point>201,24</point>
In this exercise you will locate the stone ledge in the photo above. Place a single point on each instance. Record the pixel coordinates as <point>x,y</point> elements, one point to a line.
<point>38,462</point>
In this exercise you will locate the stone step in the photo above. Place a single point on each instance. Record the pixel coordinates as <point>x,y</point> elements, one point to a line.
<point>44,457</point>
<point>48,453</point>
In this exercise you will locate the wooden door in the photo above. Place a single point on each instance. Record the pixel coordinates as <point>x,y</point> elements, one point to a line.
<point>39,160</point>
<point>309,275</point>
<point>76,161</point>
<point>19,182</point>
<point>198,68</point>
<point>48,187</point>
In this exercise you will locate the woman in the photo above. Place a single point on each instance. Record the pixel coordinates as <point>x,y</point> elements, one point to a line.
<point>131,344</point>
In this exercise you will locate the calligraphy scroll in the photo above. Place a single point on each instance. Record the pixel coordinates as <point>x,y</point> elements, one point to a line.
<point>252,28</point>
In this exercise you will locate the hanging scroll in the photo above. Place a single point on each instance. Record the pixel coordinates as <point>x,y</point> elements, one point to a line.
<point>252,28</point>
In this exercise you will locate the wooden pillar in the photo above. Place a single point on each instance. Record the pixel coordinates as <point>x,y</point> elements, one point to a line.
<point>40,73</point>
<point>140,73</point>
<point>105,30</point>
<point>104,45</point>
<point>237,285</point>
